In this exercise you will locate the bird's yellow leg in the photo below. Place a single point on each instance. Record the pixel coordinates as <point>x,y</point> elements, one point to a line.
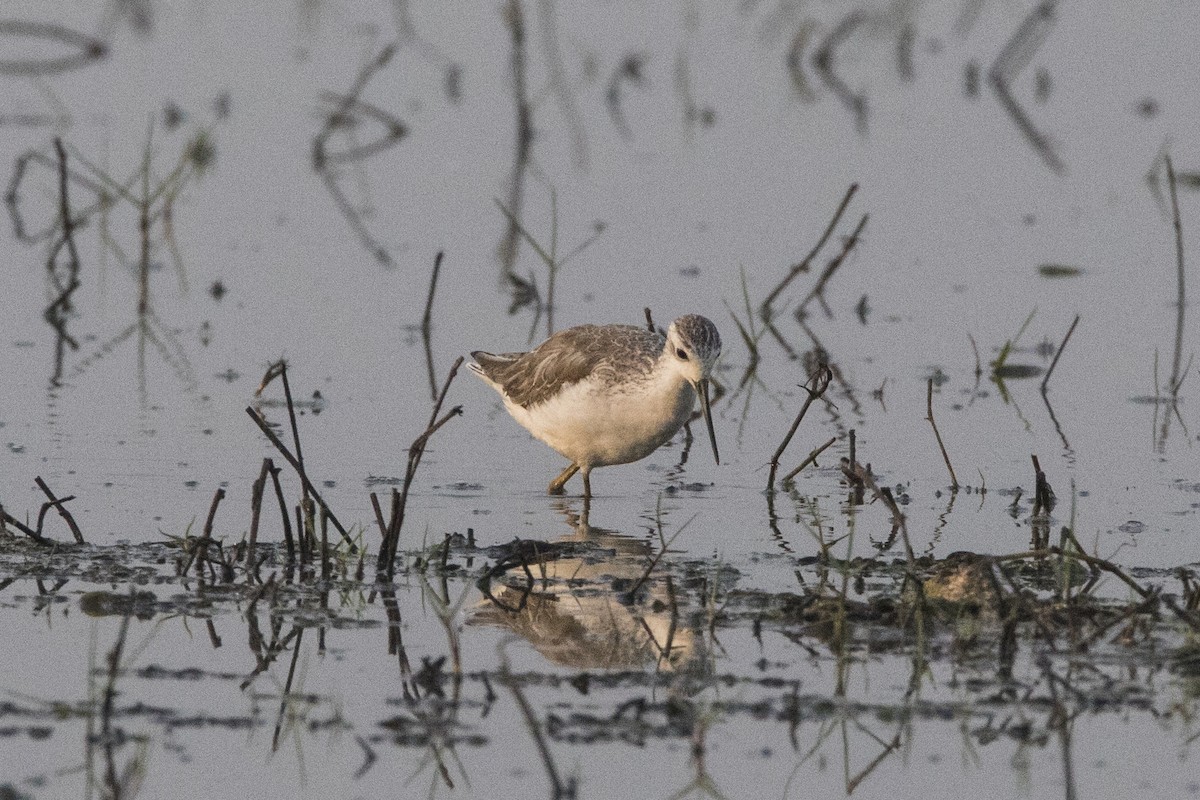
<point>556,485</point>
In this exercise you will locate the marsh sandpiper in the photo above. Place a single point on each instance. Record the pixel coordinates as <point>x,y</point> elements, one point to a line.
<point>607,394</point>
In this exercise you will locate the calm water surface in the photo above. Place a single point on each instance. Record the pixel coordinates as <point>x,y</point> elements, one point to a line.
<point>693,153</point>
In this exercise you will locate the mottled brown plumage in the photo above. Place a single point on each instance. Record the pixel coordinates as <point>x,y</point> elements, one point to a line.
<point>568,357</point>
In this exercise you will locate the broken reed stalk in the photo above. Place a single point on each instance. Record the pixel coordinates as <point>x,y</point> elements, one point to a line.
<point>427,323</point>
<point>1043,495</point>
<point>1180,298</point>
<point>820,382</point>
<point>938,435</point>
<point>1107,566</point>
<point>256,498</point>
<point>200,547</point>
<point>387,551</point>
<point>289,541</point>
<point>291,459</point>
<point>291,407</point>
<point>1058,354</point>
<point>818,290</point>
<point>62,510</point>
<point>812,457</point>
<point>765,308</point>
<point>8,519</point>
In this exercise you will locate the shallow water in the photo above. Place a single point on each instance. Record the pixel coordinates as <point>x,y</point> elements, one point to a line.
<point>680,148</point>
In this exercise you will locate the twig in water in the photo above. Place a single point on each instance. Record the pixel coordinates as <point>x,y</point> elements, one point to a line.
<point>62,510</point>
<point>115,785</point>
<point>256,498</point>
<point>291,407</point>
<point>1058,353</point>
<point>749,335</point>
<point>1180,296</point>
<point>394,131</point>
<point>387,550</point>
<point>200,547</point>
<point>658,557</point>
<point>304,479</point>
<point>812,458</point>
<point>820,382</point>
<point>941,444</point>
<point>6,519</point>
<point>288,539</point>
<point>1043,498</point>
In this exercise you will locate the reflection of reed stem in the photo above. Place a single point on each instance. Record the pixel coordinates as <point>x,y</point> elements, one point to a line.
<point>524,136</point>
<point>765,308</point>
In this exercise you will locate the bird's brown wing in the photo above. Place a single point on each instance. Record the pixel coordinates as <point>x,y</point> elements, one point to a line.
<point>565,358</point>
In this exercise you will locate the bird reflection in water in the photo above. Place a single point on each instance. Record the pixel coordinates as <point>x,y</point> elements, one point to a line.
<point>587,602</point>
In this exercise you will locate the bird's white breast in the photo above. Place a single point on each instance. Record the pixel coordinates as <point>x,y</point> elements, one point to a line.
<point>596,423</point>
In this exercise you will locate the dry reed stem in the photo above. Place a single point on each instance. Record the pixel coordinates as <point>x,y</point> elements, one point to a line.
<point>938,435</point>
<point>385,564</point>
<point>256,498</point>
<point>291,459</point>
<point>59,505</point>
<point>36,535</point>
<point>811,459</point>
<point>1180,298</point>
<point>820,382</point>
<point>1058,353</point>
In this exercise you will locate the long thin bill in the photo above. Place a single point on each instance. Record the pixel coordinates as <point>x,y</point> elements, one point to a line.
<point>712,436</point>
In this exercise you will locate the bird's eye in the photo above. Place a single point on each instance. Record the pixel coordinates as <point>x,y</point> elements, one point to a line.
<point>679,351</point>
